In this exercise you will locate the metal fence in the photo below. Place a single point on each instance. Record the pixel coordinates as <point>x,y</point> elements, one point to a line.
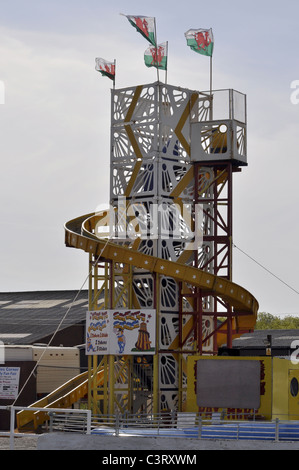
<point>73,419</point>
<point>163,425</point>
<point>192,425</point>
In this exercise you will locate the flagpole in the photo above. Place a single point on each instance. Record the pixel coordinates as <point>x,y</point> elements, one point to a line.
<point>211,78</point>
<point>211,71</point>
<point>114,74</point>
<point>211,87</point>
<point>166,62</point>
<point>156,43</point>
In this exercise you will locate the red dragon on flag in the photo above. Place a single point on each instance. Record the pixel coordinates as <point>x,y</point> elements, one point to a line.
<point>156,56</point>
<point>201,41</point>
<point>145,25</point>
<point>105,68</point>
<point>142,25</point>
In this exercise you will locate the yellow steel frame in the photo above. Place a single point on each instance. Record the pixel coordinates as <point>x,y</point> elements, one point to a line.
<point>118,375</point>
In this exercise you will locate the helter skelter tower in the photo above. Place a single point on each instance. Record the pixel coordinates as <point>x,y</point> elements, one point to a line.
<point>173,155</point>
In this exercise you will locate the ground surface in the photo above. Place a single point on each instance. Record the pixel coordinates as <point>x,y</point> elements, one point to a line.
<point>57,441</point>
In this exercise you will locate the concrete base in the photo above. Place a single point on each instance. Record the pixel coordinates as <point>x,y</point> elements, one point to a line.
<point>60,441</point>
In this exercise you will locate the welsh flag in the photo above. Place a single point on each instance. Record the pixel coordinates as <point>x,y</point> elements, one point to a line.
<point>145,25</point>
<point>106,68</point>
<point>156,56</point>
<point>201,41</point>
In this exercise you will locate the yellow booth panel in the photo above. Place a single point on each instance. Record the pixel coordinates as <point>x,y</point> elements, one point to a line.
<point>221,388</point>
<point>285,389</point>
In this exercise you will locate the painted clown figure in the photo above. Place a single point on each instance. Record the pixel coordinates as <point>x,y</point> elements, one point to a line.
<point>121,339</point>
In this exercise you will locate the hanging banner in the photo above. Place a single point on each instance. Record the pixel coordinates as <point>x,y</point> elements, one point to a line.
<point>9,382</point>
<point>121,332</point>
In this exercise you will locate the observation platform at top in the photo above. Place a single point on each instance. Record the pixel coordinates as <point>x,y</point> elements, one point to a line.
<point>205,126</point>
<point>223,136</point>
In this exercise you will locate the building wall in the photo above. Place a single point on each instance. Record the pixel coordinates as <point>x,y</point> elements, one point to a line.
<point>71,336</point>
<point>26,397</point>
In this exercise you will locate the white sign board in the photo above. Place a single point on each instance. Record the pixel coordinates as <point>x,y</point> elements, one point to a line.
<point>121,332</point>
<point>9,382</point>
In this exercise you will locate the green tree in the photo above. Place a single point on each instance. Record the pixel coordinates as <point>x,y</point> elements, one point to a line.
<point>266,321</point>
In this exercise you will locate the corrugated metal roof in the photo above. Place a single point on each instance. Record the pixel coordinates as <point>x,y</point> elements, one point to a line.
<point>280,338</point>
<point>27,317</point>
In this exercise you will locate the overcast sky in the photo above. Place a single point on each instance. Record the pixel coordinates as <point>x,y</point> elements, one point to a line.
<point>55,125</point>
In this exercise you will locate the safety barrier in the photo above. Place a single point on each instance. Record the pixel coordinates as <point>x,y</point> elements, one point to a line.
<point>192,425</point>
<point>162,425</point>
<point>76,415</point>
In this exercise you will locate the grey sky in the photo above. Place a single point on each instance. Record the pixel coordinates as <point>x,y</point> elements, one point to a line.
<point>55,126</point>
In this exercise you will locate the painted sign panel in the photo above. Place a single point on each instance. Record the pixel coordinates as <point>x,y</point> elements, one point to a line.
<point>121,332</point>
<point>9,382</point>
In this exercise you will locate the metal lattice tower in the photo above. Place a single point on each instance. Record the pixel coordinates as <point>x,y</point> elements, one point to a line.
<point>173,155</point>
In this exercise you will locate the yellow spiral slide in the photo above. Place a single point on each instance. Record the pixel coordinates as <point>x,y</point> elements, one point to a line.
<point>80,233</point>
